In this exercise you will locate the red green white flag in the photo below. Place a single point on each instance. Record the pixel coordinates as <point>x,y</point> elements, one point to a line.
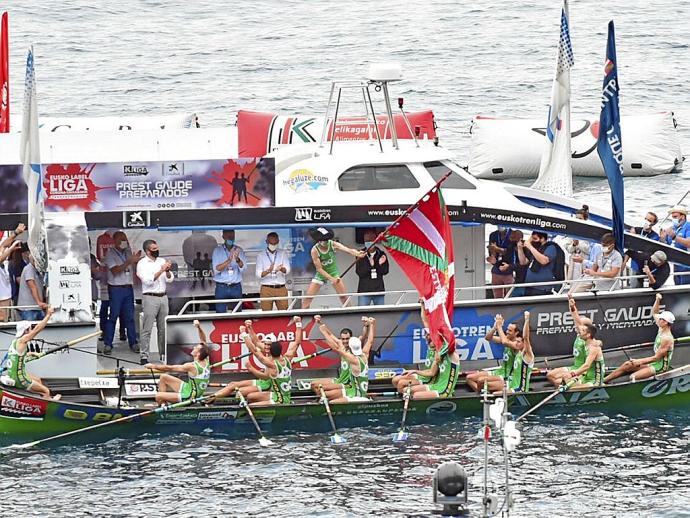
<point>421,243</point>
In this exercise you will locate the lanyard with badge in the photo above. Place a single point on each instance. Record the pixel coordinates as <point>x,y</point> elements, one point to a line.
<point>372,263</point>
<point>273,262</point>
<point>123,258</point>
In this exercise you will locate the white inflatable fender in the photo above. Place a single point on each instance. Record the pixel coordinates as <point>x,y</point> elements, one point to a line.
<point>512,148</point>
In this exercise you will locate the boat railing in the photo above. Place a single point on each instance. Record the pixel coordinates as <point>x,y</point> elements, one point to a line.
<point>394,297</point>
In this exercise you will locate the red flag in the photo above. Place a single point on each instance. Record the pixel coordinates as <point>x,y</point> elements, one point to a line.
<point>421,242</point>
<point>4,77</point>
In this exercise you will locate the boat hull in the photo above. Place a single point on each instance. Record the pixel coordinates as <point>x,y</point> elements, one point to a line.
<point>25,418</point>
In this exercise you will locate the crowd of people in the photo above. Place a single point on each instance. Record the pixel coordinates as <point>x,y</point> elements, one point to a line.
<point>581,265</point>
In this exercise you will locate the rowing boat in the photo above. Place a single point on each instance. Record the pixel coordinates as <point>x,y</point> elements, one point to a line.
<point>25,416</point>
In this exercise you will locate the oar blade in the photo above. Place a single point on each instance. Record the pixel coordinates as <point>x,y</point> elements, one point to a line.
<point>22,446</point>
<point>401,436</point>
<point>265,442</point>
<point>338,439</point>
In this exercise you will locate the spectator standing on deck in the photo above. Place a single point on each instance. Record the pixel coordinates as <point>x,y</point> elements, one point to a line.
<point>31,293</point>
<point>7,247</point>
<point>647,228</point>
<point>121,262</point>
<point>504,259</point>
<point>655,267</point>
<point>272,269</point>
<point>228,262</point>
<point>679,236</point>
<point>547,263</point>
<point>371,270</point>
<point>154,273</point>
<point>608,265</point>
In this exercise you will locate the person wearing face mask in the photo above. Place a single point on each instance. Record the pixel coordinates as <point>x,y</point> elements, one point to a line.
<point>31,293</point>
<point>154,273</point>
<point>679,236</point>
<point>120,262</point>
<point>7,247</point>
<point>607,266</point>
<point>647,228</point>
<point>370,270</point>
<point>272,268</point>
<point>228,262</point>
<point>545,263</point>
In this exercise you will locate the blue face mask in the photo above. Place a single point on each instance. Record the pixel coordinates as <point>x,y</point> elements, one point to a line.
<point>367,244</point>
<point>229,242</point>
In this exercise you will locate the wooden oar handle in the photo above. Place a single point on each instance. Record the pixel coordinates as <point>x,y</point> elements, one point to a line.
<point>85,337</point>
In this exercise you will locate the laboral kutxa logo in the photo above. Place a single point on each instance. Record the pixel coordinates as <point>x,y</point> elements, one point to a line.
<point>303,180</point>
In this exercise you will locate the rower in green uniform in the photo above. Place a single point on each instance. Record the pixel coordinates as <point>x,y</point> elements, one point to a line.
<point>325,261</point>
<point>443,374</point>
<point>411,378</point>
<point>277,370</point>
<point>344,374</point>
<point>644,368</point>
<point>557,375</point>
<point>512,342</point>
<point>357,357</point>
<point>591,372</point>
<point>18,356</point>
<point>172,389</point>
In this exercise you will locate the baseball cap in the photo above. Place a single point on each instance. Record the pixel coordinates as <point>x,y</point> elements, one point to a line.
<point>668,316</point>
<point>269,337</point>
<point>22,327</point>
<point>355,346</point>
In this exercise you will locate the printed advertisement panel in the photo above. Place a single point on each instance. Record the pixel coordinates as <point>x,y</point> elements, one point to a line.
<point>189,184</point>
<point>21,407</point>
<point>622,319</point>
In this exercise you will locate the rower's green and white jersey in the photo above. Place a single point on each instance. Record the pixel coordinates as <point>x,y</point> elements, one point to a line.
<point>281,383</point>
<point>579,353</point>
<point>328,262</point>
<point>196,385</point>
<point>345,373</point>
<point>428,362</point>
<point>520,374</point>
<point>16,366</point>
<point>595,374</point>
<point>664,363</point>
<point>447,377</point>
<point>359,385</point>
<point>507,362</point>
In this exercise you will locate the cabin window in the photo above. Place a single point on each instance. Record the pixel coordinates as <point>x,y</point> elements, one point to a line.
<point>377,177</point>
<point>437,170</point>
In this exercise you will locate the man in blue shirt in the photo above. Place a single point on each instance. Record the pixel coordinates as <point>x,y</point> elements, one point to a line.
<point>228,262</point>
<point>679,236</point>
<point>541,265</point>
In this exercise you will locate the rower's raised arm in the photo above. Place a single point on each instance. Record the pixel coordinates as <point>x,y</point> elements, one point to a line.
<point>331,339</point>
<point>292,348</point>
<point>422,311</point>
<point>38,327</point>
<point>202,334</point>
<point>573,310</point>
<point>657,305</point>
<point>252,333</point>
<point>489,337</point>
<point>370,337</point>
<point>528,354</point>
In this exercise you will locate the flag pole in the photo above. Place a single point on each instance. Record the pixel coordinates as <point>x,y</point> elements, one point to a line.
<point>405,214</point>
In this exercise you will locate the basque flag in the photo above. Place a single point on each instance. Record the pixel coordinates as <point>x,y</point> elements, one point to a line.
<point>609,143</point>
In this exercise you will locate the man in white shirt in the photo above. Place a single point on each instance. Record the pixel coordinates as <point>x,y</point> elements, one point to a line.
<point>154,273</point>
<point>272,268</point>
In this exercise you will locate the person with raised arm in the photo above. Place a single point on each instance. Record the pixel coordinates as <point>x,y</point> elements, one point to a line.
<point>512,343</point>
<point>591,372</point>
<point>411,378</point>
<point>18,356</point>
<point>443,376</point>
<point>555,376</point>
<point>324,259</point>
<point>644,368</point>
<point>357,356</point>
<point>172,389</point>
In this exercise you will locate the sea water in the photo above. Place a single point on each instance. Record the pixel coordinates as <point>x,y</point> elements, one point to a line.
<point>136,57</point>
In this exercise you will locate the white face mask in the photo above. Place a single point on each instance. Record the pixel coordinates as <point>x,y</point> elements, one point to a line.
<point>676,221</point>
<point>272,248</point>
<point>646,225</point>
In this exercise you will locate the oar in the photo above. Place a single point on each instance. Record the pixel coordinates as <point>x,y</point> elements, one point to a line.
<point>632,347</point>
<point>335,438</point>
<point>559,390</point>
<point>145,372</point>
<point>310,356</point>
<point>402,435</point>
<point>159,410</point>
<point>243,402</point>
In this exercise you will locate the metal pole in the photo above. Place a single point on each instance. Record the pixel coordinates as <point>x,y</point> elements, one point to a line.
<point>328,110</point>
<point>376,124</point>
<point>407,123</point>
<point>389,111</point>
<point>335,120</point>
<point>485,500</point>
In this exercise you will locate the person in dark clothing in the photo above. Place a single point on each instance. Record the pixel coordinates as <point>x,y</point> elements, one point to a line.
<point>654,266</point>
<point>541,267</point>
<point>503,257</point>
<point>370,270</point>
<point>647,228</point>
